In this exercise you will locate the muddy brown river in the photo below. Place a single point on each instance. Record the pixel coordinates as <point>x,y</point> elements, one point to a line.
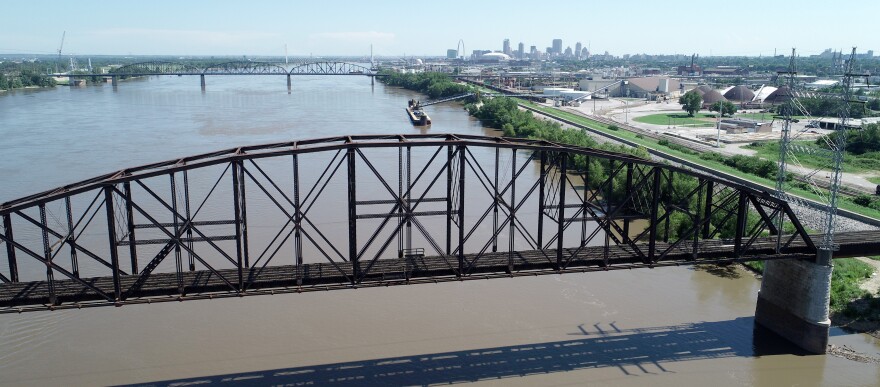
<point>669,326</point>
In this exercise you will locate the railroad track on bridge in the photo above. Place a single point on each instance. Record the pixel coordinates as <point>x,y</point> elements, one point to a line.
<point>204,284</point>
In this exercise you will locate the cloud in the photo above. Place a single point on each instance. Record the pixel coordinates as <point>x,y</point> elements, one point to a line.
<point>355,36</point>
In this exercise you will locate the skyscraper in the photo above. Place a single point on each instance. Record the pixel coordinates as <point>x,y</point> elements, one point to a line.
<point>506,48</point>
<point>557,47</point>
<point>522,50</point>
<point>577,50</point>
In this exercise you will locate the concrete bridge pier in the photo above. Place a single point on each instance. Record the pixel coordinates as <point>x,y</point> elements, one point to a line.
<point>114,81</point>
<point>288,84</point>
<point>202,76</point>
<point>793,301</point>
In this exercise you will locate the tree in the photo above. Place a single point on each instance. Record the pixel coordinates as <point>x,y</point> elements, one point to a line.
<point>691,102</point>
<point>726,108</point>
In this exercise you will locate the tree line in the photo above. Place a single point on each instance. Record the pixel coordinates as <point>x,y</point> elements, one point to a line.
<point>435,85</point>
<point>25,78</point>
<point>504,114</point>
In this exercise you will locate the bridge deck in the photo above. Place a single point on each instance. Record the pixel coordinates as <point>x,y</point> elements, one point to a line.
<point>24,296</point>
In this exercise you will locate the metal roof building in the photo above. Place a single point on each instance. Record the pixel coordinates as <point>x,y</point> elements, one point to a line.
<point>739,94</point>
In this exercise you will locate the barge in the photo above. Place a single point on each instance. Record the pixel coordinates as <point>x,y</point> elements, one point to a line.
<point>416,114</point>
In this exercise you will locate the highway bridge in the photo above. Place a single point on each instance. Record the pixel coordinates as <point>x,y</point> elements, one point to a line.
<point>156,68</point>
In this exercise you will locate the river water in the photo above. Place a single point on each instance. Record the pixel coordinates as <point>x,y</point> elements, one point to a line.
<point>669,326</point>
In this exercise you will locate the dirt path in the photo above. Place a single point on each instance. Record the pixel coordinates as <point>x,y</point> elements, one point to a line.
<point>871,285</point>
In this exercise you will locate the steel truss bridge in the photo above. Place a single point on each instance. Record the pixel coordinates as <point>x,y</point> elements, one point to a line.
<point>237,68</point>
<point>362,211</point>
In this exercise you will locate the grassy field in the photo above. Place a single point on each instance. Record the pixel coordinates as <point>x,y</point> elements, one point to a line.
<point>651,144</point>
<point>845,279</point>
<point>678,119</point>
<point>875,179</point>
<point>851,162</point>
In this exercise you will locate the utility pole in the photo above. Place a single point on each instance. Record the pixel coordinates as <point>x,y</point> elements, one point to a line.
<point>793,300</point>
<point>836,145</point>
<point>784,141</point>
<point>827,248</point>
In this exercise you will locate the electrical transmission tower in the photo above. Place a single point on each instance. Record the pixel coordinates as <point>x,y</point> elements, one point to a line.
<point>832,152</point>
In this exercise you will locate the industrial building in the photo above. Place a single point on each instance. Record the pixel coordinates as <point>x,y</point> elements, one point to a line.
<point>743,125</point>
<point>652,88</point>
<point>739,94</point>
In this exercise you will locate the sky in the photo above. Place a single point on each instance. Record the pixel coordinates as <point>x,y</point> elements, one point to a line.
<point>429,28</point>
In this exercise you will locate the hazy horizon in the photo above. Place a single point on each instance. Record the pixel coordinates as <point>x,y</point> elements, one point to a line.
<point>397,28</point>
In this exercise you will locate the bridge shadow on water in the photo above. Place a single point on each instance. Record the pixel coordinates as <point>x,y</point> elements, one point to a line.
<point>641,351</point>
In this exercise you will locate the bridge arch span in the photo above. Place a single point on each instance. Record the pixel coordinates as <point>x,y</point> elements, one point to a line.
<point>156,68</point>
<point>244,68</point>
<point>375,210</point>
<point>330,68</point>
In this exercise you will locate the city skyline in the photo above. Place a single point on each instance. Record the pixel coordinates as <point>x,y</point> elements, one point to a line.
<point>199,28</point>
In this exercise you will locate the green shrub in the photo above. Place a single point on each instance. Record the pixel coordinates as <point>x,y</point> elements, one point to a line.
<point>748,164</point>
<point>677,147</point>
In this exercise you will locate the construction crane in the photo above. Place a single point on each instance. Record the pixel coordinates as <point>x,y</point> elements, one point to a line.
<point>63,34</point>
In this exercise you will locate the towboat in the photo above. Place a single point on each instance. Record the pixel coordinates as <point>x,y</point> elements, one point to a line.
<point>416,114</point>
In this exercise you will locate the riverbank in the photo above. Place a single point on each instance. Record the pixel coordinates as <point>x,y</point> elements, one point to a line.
<point>435,85</point>
<point>851,307</point>
<point>855,297</point>
<point>663,326</point>
<point>31,88</point>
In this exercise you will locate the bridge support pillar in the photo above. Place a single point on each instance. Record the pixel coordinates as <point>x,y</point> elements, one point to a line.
<point>114,81</point>
<point>793,301</point>
<point>288,84</point>
<point>202,76</point>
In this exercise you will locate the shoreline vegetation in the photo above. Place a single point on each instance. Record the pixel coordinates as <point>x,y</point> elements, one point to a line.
<point>851,306</point>
<point>24,80</point>
<point>740,167</point>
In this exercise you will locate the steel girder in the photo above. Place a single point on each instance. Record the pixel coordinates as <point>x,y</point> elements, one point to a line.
<point>336,212</point>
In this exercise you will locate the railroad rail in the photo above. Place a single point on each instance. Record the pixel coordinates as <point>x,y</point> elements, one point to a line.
<point>412,269</point>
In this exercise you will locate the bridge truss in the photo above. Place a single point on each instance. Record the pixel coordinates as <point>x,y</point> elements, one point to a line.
<point>330,68</point>
<point>237,68</point>
<point>356,211</point>
<point>156,68</point>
